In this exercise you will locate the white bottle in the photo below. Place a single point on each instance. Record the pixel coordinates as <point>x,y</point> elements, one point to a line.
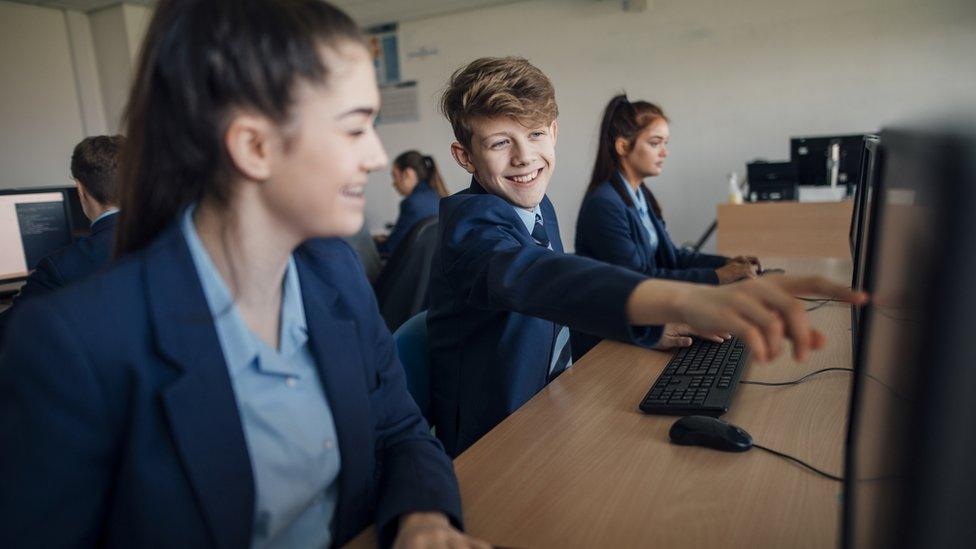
<point>735,193</point>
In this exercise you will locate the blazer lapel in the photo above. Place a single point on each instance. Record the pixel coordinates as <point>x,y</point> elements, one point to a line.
<point>666,255</point>
<point>633,218</point>
<point>200,405</point>
<point>551,224</point>
<point>334,339</point>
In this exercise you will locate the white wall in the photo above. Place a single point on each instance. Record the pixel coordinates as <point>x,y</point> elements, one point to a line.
<point>65,75</point>
<point>89,86</point>
<point>111,41</point>
<point>39,106</point>
<point>136,22</point>
<point>737,79</point>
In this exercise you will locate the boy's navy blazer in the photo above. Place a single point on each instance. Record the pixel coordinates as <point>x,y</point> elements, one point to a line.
<point>119,425</point>
<point>74,262</point>
<point>419,204</point>
<point>497,300</point>
<point>609,229</point>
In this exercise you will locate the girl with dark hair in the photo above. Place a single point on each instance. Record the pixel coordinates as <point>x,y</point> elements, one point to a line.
<point>620,220</point>
<point>228,381</point>
<point>415,177</point>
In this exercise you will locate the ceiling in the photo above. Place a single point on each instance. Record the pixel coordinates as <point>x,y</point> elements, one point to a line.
<point>365,12</point>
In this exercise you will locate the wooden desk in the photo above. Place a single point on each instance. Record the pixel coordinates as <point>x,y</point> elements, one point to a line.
<point>580,466</point>
<point>788,229</point>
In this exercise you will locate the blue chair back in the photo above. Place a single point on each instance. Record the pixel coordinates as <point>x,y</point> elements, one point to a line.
<point>411,343</point>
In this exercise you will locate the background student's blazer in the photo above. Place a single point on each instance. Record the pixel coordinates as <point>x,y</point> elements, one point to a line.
<point>119,427</point>
<point>609,229</point>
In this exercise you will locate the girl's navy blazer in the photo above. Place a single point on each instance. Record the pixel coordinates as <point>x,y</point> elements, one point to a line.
<point>119,425</point>
<point>609,229</point>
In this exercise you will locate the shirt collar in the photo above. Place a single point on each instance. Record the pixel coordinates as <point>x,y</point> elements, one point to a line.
<point>528,216</point>
<point>105,214</point>
<point>635,194</point>
<point>239,344</point>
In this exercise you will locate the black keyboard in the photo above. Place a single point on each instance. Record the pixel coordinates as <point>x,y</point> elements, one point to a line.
<point>698,380</point>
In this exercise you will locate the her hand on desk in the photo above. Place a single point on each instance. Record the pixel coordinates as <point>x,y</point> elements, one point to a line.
<point>432,530</point>
<point>749,259</point>
<point>761,311</point>
<point>734,271</point>
<point>677,335</point>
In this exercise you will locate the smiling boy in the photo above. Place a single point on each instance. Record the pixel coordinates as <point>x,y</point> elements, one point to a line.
<point>502,292</point>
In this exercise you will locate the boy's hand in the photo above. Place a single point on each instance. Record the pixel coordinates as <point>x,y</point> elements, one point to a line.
<point>432,530</point>
<point>761,312</point>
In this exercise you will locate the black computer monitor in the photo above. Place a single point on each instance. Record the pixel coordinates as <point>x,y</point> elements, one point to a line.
<point>861,231</point>
<point>867,151</point>
<point>33,224</point>
<point>909,479</point>
<point>809,155</point>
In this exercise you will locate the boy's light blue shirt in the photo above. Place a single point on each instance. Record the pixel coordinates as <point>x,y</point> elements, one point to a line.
<point>562,339</point>
<point>643,212</point>
<point>287,421</point>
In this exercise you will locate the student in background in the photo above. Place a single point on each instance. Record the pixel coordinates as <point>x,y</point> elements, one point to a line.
<point>620,221</point>
<point>228,381</point>
<point>95,171</point>
<point>416,178</point>
<point>502,292</point>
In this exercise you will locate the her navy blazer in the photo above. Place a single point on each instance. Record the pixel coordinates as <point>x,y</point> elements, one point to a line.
<point>419,204</point>
<point>119,426</point>
<point>497,300</point>
<point>609,229</point>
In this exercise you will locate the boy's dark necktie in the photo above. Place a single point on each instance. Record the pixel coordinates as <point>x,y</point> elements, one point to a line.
<point>539,232</point>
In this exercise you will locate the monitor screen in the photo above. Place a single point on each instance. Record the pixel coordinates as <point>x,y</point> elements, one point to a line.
<point>33,224</point>
<point>810,155</point>
<point>912,431</point>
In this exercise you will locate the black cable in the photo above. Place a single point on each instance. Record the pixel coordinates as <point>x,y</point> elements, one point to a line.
<point>818,305</point>
<point>799,461</point>
<point>795,381</point>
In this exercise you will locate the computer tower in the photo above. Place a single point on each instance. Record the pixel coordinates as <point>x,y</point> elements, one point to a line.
<point>771,181</point>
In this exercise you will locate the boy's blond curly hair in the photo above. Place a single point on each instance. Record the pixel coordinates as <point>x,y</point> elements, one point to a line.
<point>498,86</point>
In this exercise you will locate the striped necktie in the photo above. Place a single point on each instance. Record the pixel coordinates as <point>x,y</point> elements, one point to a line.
<point>539,232</point>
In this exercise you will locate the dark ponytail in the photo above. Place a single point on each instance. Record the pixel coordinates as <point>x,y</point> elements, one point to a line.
<point>621,118</point>
<point>425,167</point>
<point>199,61</point>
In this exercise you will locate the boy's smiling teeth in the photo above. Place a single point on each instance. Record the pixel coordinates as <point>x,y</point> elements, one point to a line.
<point>527,178</point>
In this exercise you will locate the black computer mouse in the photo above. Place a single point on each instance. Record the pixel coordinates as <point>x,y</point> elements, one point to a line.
<point>711,432</point>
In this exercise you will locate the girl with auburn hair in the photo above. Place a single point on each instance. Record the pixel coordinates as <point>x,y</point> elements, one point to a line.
<point>228,381</point>
<point>620,220</point>
<point>417,179</point>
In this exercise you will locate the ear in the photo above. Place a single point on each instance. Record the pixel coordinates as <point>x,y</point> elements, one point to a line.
<point>622,146</point>
<point>251,141</point>
<point>82,191</point>
<point>462,157</point>
<point>410,176</point>
<point>554,130</point>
